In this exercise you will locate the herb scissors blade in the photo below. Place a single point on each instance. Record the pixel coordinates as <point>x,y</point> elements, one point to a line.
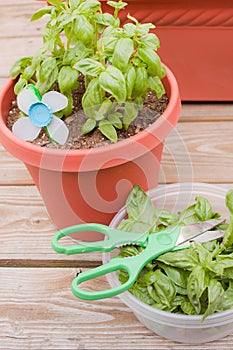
<point>154,244</point>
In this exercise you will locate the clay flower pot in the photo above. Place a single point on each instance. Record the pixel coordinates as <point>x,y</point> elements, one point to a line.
<point>91,185</point>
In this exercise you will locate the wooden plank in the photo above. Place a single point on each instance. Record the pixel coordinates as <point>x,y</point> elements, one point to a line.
<point>198,152</point>
<point>15,49</point>
<point>199,112</point>
<point>19,36</point>
<point>26,232</point>
<point>18,3</point>
<point>38,311</point>
<point>15,19</point>
<point>12,170</point>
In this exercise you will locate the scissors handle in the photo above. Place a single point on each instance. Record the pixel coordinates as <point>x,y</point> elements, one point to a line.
<point>115,238</point>
<point>158,244</point>
<point>115,264</point>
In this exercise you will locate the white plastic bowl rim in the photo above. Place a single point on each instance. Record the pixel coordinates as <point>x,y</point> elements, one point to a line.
<point>149,312</point>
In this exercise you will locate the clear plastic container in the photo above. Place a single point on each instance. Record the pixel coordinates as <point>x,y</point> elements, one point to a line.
<point>181,328</point>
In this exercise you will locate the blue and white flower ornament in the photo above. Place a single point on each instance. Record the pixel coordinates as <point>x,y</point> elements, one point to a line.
<point>40,114</point>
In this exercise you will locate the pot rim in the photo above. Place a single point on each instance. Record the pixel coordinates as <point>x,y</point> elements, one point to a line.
<point>107,155</point>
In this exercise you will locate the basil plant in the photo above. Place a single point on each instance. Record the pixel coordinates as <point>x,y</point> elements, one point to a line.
<point>119,63</point>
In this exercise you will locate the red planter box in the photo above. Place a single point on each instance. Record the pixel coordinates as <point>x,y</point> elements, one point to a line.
<point>196,43</point>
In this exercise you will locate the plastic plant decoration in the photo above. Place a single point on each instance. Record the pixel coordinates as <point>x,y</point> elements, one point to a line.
<point>40,114</point>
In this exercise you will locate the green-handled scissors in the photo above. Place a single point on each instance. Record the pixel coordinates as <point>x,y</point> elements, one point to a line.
<point>154,244</point>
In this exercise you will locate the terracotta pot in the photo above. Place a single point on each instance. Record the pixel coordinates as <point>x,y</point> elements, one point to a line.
<point>196,42</point>
<point>91,185</point>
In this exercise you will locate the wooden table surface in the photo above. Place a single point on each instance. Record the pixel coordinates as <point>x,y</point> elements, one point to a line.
<point>37,308</point>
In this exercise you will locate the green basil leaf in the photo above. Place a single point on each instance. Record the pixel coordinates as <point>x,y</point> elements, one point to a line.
<point>113,81</point>
<point>150,40</point>
<point>47,75</point>
<point>63,20</point>
<point>176,275</point>
<point>73,4</point>
<point>228,273</point>
<point>197,283</point>
<point>146,277</point>
<point>229,201</point>
<point>129,29</point>
<point>41,12</point>
<point>166,217</point>
<point>67,78</point>
<point>51,36</point>
<point>180,290</point>
<point>156,85</point>
<point>141,293</point>
<point>188,308</point>
<point>115,120</point>
<point>203,209</point>
<point>107,44</point>
<point>131,225</point>
<point>185,259</point>
<point>81,51</point>
<point>221,265</point>
<point>88,126</point>
<point>188,216</point>
<point>106,107</point>
<point>228,235</point>
<point>226,301</point>
<point>205,257</point>
<point>144,28</point>
<point>136,61</point>
<point>117,5</point>
<point>139,207</point>
<point>123,277</point>
<point>69,57</point>
<point>55,2</point>
<point>140,83</point>
<point>164,288</point>
<point>153,294</point>
<point>122,53</point>
<point>161,306</point>
<point>89,66</point>
<point>89,5</point>
<point>130,77</point>
<point>215,293</point>
<point>151,58</point>
<point>46,68</point>
<point>178,300</point>
<point>21,83</point>
<point>66,111</point>
<point>28,72</point>
<point>108,130</point>
<point>40,57</point>
<point>128,251</point>
<point>214,247</point>
<point>19,66</point>
<point>93,98</point>
<point>105,19</point>
<point>130,113</point>
<point>83,29</point>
